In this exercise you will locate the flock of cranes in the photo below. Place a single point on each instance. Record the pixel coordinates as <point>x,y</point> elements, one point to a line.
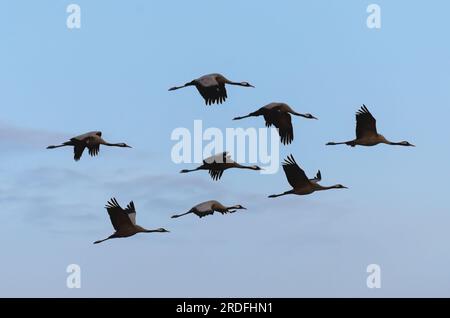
<point>212,88</point>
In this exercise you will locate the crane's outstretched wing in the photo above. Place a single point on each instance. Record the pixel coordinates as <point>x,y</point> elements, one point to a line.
<point>295,175</point>
<point>119,218</point>
<point>283,122</point>
<point>317,178</point>
<point>78,149</point>
<point>268,120</point>
<point>216,174</point>
<point>93,150</point>
<point>88,134</point>
<point>93,144</point>
<point>211,90</point>
<point>283,107</point>
<point>222,157</point>
<point>80,142</point>
<point>131,212</point>
<point>366,124</point>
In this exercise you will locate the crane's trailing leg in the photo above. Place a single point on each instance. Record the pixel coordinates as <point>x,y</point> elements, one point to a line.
<point>348,143</point>
<point>187,170</point>
<point>68,143</point>
<point>178,215</point>
<point>281,194</point>
<point>109,237</point>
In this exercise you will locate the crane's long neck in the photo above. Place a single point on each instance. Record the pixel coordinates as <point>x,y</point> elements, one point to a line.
<point>318,187</point>
<point>237,165</point>
<point>119,144</point>
<point>227,81</point>
<point>232,209</point>
<point>234,83</point>
<point>298,114</point>
<point>281,194</point>
<point>393,143</point>
<point>178,215</point>
<point>149,231</point>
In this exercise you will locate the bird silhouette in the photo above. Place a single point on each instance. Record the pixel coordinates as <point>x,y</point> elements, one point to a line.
<point>366,132</point>
<point>124,221</point>
<point>299,182</point>
<point>91,140</point>
<point>278,114</point>
<point>209,207</point>
<point>218,163</point>
<point>212,87</point>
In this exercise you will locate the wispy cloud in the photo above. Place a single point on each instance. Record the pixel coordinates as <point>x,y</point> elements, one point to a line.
<point>13,138</point>
<point>51,196</point>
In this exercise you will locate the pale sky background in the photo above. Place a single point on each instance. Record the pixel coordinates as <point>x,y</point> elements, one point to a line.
<point>319,56</point>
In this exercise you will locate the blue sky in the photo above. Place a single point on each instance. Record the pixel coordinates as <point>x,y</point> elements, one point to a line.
<point>319,56</point>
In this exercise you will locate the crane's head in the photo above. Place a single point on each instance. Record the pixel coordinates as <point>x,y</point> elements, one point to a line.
<point>161,230</point>
<point>405,143</point>
<point>124,145</point>
<point>246,84</point>
<point>255,167</point>
<point>340,186</point>
<point>239,207</point>
<point>309,116</point>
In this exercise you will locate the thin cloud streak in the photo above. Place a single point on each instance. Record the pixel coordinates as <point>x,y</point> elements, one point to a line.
<point>13,138</point>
